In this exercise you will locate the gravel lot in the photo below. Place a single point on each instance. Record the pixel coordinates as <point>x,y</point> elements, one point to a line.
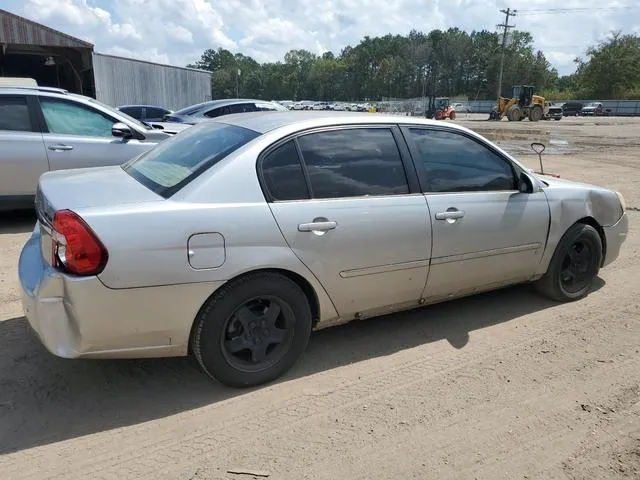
<point>505,385</point>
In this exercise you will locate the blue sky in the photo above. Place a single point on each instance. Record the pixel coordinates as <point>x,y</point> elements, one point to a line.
<point>178,31</point>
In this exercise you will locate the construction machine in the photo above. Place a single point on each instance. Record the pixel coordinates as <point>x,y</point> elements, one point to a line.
<point>522,104</point>
<point>440,108</point>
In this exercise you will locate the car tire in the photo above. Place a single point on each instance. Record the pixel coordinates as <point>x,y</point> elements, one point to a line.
<point>234,329</point>
<point>577,258</point>
<point>535,113</point>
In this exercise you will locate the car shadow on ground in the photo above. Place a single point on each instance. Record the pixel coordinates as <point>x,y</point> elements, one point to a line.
<point>17,222</point>
<point>45,399</point>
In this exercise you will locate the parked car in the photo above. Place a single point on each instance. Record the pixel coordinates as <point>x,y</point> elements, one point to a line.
<point>218,108</point>
<point>233,240</point>
<point>571,109</point>
<point>43,129</point>
<point>553,112</point>
<point>594,109</point>
<point>461,108</point>
<point>320,106</point>
<point>145,113</point>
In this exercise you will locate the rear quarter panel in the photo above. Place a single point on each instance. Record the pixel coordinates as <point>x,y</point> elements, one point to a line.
<point>147,243</point>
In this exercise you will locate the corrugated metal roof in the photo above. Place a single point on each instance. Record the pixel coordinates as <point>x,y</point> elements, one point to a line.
<point>19,30</point>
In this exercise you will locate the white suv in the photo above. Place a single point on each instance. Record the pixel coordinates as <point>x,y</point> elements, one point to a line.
<point>43,129</point>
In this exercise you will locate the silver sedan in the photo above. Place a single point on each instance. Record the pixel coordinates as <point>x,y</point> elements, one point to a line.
<point>235,239</point>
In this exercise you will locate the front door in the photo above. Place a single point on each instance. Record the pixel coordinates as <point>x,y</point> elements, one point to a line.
<point>486,233</point>
<point>348,213</point>
<point>78,136</point>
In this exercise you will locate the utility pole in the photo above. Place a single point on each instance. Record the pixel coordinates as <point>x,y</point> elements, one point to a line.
<point>508,13</point>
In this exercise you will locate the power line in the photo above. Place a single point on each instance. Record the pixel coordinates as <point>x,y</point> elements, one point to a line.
<point>508,13</point>
<point>556,11</point>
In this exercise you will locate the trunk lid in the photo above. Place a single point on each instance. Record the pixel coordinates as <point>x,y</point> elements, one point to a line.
<point>84,188</point>
<point>90,187</point>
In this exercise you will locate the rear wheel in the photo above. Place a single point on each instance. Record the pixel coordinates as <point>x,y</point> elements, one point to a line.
<point>574,266</point>
<point>452,115</point>
<point>253,330</point>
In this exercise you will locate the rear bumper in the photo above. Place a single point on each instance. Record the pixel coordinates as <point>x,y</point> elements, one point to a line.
<point>80,317</point>
<point>615,236</point>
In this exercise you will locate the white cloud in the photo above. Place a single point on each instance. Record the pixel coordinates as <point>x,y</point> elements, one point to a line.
<point>177,31</point>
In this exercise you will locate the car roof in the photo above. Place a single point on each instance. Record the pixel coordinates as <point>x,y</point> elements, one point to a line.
<point>23,90</point>
<point>263,122</point>
<point>142,105</point>
<point>218,103</point>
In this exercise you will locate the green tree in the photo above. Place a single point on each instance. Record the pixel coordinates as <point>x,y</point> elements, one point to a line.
<point>612,69</point>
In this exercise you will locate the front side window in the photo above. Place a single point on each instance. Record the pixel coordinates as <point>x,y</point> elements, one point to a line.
<point>353,162</point>
<point>242,108</point>
<point>282,174</point>
<point>175,162</point>
<point>14,114</point>
<point>452,162</point>
<point>67,118</point>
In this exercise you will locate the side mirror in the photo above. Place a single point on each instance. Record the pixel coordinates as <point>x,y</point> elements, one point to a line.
<point>121,130</point>
<point>525,183</point>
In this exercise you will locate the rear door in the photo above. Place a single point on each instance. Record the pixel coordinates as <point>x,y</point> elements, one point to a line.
<point>485,231</point>
<point>78,136</point>
<point>347,203</point>
<point>22,153</point>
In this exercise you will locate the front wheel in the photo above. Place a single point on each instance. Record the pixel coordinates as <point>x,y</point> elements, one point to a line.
<point>574,266</point>
<point>253,330</point>
<point>535,113</point>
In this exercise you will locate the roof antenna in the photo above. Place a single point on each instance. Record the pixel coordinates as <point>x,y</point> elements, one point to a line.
<point>539,148</point>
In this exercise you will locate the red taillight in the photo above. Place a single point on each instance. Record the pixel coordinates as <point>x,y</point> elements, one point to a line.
<point>76,248</point>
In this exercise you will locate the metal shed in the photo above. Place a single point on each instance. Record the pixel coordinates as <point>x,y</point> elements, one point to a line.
<point>55,59</point>
<point>122,81</point>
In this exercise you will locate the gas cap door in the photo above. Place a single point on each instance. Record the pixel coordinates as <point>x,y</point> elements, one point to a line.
<point>206,250</point>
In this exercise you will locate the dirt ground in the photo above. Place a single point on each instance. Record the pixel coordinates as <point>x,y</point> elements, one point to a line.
<point>505,385</point>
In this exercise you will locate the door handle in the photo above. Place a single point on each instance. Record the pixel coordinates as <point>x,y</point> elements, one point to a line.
<point>450,215</point>
<point>60,147</point>
<point>317,226</point>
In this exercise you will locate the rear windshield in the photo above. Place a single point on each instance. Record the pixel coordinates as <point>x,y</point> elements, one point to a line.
<point>175,162</point>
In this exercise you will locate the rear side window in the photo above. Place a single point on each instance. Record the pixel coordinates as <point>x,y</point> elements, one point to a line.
<point>283,175</point>
<point>14,114</point>
<point>353,162</point>
<point>172,164</point>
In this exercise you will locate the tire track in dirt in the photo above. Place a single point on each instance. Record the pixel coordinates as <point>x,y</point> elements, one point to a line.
<point>183,444</point>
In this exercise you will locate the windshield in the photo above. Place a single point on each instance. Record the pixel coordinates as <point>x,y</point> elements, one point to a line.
<point>592,105</point>
<point>174,163</point>
<point>114,111</point>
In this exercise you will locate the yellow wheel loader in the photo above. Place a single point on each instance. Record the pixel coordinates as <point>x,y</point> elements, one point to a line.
<point>523,104</point>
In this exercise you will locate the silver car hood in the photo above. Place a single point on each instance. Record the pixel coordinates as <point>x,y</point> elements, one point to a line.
<point>90,187</point>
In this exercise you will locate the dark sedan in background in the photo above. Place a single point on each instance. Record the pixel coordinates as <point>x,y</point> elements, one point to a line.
<point>145,113</point>
<point>217,108</point>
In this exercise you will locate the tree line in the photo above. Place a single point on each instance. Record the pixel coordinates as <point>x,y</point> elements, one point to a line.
<point>442,63</point>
